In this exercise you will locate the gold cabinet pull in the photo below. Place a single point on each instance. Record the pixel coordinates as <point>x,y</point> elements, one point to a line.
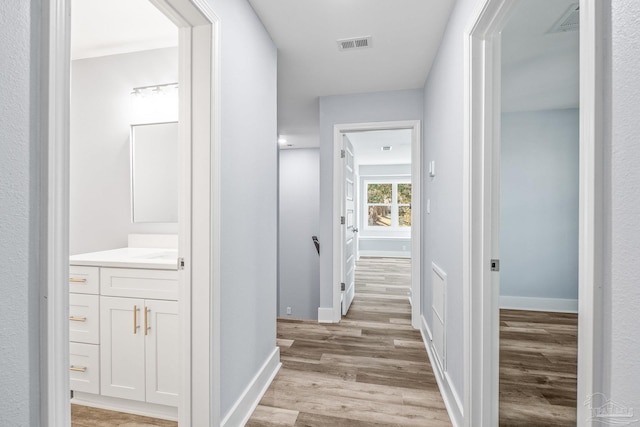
<point>146,321</point>
<point>135,319</point>
<point>77,319</point>
<point>78,368</point>
<point>77,280</point>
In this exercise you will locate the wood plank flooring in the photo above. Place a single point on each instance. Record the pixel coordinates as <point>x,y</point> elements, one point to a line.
<point>84,416</point>
<point>370,370</point>
<point>538,368</point>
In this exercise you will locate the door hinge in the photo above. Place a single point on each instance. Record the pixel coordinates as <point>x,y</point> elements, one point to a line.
<point>180,263</point>
<point>495,265</point>
<point>342,220</point>
<point>342,286</point>
<point>343,154</point>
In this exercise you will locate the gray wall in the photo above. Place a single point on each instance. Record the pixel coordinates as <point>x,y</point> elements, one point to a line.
<point>249,197</point>
<point>622,243</point>
<point>539,204</point>
<point>359,108</point>
<point>100,188</point>
<point>443,133</point>
<point>299,219</point>
<point>19,214</point>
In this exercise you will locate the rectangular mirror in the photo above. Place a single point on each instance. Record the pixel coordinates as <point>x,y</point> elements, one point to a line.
<point>154,172</point>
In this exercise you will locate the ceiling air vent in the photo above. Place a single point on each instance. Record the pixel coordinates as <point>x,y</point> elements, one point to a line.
<point>354,43</point>
<point>570,21</point>
<point>386,148</point>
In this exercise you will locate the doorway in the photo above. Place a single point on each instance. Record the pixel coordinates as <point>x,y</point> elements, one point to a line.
<point>481,213</point>
<point>198,212</point>
<point>340,191</point>
<point>537,229</point>
<point>377,203</point>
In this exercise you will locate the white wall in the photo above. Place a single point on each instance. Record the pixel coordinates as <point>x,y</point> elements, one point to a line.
<point>19,214</point>
<point>359,108</point>
<point>622,248</point>
<point>249,197</point>
<point>100,188</point>
<point>299,219</point>
<point>442,228</point>
<point>539,209</point>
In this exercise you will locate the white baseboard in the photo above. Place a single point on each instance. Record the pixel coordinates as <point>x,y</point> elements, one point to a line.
<point>144,409</point>
<point>539,304</point>
<point>325,315</point>
<point>386,254</point>
<point>248,401</point>
<point>451,398</point>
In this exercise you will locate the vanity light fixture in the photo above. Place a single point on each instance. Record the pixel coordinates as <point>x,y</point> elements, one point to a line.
<point>154,89</point>
<point>282,140</point>
<point>154,103</point>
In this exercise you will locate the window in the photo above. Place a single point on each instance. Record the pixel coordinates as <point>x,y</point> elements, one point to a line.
<point>388,204</point>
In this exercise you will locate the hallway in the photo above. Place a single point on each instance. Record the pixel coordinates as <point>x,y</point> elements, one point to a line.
<point>370,370</point>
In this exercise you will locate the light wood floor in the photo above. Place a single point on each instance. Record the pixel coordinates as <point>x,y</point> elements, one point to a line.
<point>538,368</point>
<point>370,370</point>
<point>83,416</point>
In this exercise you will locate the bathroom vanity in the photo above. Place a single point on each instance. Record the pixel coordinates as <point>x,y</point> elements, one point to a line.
<point>123,330</point>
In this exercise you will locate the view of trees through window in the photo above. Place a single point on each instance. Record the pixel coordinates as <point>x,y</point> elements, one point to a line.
<point>389,204</point>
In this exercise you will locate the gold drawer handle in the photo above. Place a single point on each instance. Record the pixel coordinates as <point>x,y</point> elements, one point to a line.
<point>135,319</point>
<point>77,319</point>
<point>77,280</point>
<point>78,368</point>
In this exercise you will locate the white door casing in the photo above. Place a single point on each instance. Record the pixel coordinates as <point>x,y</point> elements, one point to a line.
<point>482,121</point>
<point>416,211</point>
<point>199,211</point>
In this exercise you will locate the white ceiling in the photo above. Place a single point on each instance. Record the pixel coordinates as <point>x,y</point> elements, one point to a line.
<point>540,70</point>
<point>100,27</point>
<point>367,147</point>
<point>405,38</point>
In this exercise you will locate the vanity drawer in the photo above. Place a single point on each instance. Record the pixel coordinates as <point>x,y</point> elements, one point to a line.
<point>138,283</point>
<point>84,318</point>
<point>84,280</point>
<point>84,366</point>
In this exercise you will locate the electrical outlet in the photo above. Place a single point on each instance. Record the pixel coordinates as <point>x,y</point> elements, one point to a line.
<point>289,311</point>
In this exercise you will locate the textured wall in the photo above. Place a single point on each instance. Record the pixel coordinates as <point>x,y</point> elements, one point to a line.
<point>19,214</point>
<point>622,286</point>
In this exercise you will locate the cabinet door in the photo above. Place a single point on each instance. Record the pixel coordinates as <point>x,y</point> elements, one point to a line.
<point>162,352</point>
<point>122,348</point>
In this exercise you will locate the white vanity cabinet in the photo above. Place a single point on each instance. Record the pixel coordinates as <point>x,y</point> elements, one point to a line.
<point>139,339</point>
<point>84,329</point>
<point>124,331</point>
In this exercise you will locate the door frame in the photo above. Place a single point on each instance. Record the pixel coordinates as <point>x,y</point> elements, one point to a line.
<point>199,69</point>
<point>416,211</point>
<point>482,128</point>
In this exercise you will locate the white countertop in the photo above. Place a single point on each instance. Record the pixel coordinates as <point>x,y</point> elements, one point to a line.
<point>153,258</point>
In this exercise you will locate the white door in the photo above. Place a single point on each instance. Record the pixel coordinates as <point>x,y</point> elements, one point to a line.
<point>162,353</point>
<point>122,348</point>
<point>349,230</point>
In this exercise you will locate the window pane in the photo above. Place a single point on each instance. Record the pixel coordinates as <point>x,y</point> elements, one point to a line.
<point>379,193</point>
<point>404,193</point>
<point>404,216</point>
<point>380,216</point>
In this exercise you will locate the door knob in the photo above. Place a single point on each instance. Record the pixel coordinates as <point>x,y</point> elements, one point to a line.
<point>355,230</point>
